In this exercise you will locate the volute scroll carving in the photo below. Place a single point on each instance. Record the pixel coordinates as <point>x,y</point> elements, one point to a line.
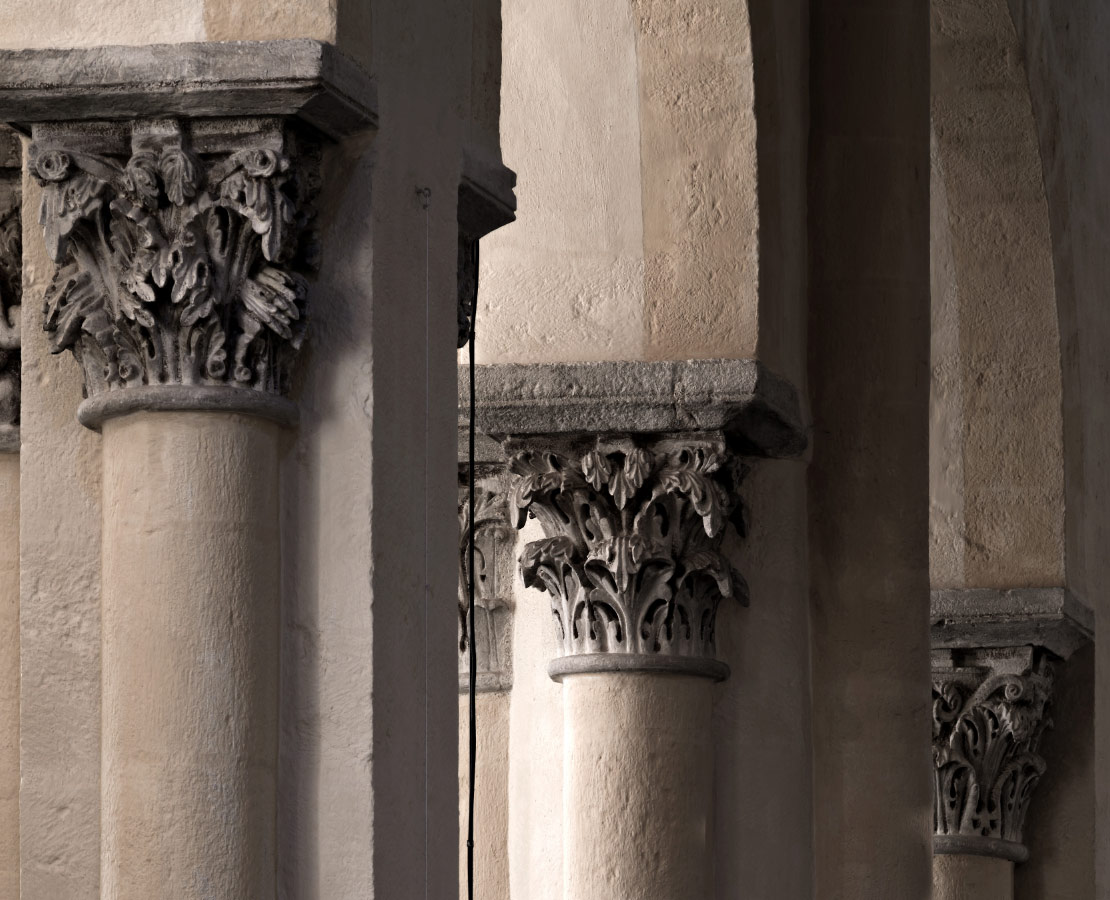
<point>988,719</point>
<point>181,248</point>
<point>632,554</point>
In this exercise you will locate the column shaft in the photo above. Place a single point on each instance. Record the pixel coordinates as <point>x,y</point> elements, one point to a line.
<point>958,876</point>
<point>9,675</point>
<point>637,786</point>
<point>191,583</point>
<point>491,787</point>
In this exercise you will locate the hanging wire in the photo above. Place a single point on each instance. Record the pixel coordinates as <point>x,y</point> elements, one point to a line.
<point>425,195</point>
<point>470,611</point>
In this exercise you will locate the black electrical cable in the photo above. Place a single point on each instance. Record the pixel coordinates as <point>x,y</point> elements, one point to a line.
<point>470,615</point>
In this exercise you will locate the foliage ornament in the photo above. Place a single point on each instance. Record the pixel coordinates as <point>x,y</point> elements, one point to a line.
<point>493,563</point>
<point>987,726</point>
<point>632,555</point>
<point>11,293</point>
<point>178,256</point>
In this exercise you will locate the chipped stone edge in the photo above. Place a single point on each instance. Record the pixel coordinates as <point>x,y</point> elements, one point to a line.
<point>300,77</point>
<point>595,663</point>
<point>970,845</point>
<point>95,411</point>
<point>758,411</point>
<point>1050,617</point>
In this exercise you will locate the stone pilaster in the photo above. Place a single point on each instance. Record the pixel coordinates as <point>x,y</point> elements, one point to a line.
<point>494,540</point>
<point>11,288</point>
<point>989,712</point>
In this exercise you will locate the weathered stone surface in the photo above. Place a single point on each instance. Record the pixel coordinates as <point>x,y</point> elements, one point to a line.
<point>1051,618</point>
<point>308,79</point>
<point>988,717</point>
<point>757,411</point>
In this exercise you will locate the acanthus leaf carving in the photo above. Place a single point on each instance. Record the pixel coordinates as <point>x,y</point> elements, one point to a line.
<point>987,726</point>
<point>493,563</point>
<point>632,555</point>
<point>176,264</point>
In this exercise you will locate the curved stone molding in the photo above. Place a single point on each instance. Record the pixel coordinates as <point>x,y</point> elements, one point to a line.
<point>494,540</point>
<point>178,252</point>
<point>95,411</point>
<point>11,289</point>
<point>632,554</point>
<point>989,712</point>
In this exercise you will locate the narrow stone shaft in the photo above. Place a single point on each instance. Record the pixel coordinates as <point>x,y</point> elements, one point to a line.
<point>959,876</point>
<point>191,587</point>
<point>637,786</point>
<point>9,674</point>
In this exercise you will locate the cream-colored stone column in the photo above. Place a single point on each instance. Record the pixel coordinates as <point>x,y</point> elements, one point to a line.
<point>637,786</point>
<point>633,562</point>
<point>635,504</point>
<point>190,618</point>
<point>182,254</point>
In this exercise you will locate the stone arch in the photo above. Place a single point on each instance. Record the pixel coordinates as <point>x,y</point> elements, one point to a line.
<point>997,467</point>
<point>632,132</point>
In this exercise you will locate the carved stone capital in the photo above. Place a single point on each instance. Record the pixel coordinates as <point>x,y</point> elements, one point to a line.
<point>177,186</point>
<point>11,288</point>
<point>494,539</point>
<point>180,249</point>
<point>989,712</point>
<point>632,550</point>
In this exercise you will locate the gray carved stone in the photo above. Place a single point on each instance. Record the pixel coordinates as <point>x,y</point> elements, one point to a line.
<point>11,288</point>
<point>494,541</point>
<point>757,411</point>
<point>1049,617</point>
<point>304,79</point>
<point>989,712</point>
<point>632,469</point>
<point>631,556</point>
<point>180,249</point>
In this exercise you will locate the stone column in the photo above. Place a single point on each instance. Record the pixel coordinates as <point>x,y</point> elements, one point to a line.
<point>10,300</point>
<point>632,471</point>
<point>994,655</point>
<point>988,717</point>
<point>182,245</point>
